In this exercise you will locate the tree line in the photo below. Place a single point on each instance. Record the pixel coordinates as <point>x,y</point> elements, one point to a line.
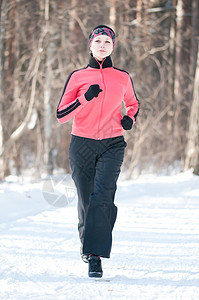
<point>42,41</point>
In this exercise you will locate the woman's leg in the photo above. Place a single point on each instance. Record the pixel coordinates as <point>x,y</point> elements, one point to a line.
<point>102,212</point>
<point>82,161</point>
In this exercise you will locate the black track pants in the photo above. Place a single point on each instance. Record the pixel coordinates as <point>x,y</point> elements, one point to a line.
<point>95,168</point>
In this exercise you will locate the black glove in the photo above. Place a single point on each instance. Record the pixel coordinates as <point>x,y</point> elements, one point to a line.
<point>127,123</point>
<point>93,91</point>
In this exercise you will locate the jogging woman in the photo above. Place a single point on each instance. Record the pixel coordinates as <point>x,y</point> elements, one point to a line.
<point>93,96</point>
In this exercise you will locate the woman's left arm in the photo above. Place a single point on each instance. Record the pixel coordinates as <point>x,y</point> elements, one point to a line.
<point>131,101</point>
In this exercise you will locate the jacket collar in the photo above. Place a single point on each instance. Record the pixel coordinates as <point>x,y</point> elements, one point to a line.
<point>94,63</point>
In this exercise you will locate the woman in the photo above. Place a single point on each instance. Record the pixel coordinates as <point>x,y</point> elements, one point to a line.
<point>93,96</point>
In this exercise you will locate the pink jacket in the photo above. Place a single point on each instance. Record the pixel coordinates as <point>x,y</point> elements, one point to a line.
<point>101,117</point>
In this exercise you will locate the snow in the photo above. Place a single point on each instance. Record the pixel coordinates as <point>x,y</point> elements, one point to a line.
<point>155,253</point>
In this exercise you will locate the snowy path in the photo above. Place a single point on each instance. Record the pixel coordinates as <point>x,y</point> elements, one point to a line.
<point>155,252</point>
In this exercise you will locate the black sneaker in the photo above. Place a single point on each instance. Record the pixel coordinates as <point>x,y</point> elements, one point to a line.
<point>94,266</point>
<point>84,256</point>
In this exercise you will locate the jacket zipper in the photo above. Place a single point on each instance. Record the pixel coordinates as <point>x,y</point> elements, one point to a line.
<point>100,116</point>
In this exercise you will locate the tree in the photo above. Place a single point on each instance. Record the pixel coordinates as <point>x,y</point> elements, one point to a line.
<point>192,157</point>
<point>182,96</point>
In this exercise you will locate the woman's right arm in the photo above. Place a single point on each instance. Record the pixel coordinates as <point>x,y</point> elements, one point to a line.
<point>69,105</point>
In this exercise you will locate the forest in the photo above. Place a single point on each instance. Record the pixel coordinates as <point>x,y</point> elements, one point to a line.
<point>43,41</point>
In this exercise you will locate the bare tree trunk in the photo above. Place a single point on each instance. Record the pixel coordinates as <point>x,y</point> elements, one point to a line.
<point>194,43</point>
<point>171,60</point>
<point>1,88</point>
<point>139,11</point>
<point>6,67</point>
<point>182,76</point>
<point>192,157</point>
<point>50,51</point>
<point>112,15</point>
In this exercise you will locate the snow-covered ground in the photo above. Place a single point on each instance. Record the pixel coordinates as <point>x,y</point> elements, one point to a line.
<point>155,253</point>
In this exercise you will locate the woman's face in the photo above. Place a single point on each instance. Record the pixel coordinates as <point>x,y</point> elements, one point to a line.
<point>101,46</point>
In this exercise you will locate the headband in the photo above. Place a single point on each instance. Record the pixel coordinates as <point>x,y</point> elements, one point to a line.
<point>102,31</point>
